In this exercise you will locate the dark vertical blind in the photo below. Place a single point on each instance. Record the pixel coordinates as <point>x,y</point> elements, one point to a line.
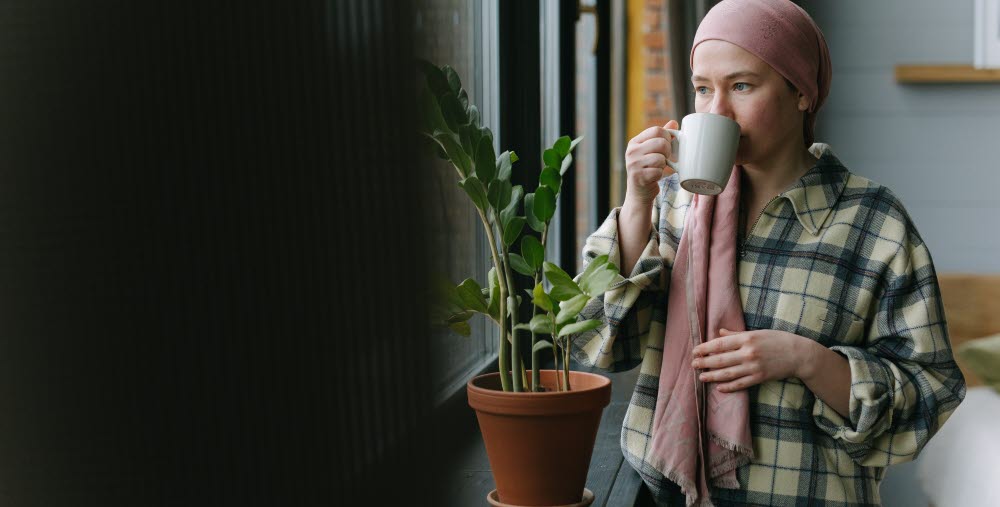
<point>210,263</point>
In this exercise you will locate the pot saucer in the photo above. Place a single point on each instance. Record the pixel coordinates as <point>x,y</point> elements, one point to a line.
<point>588,498</point>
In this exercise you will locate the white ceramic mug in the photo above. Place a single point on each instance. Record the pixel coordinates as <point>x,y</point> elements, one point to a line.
<point>705,148</point>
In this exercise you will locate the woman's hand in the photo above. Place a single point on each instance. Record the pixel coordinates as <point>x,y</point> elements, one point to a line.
<point>645,161</point>
<point>739,360</point>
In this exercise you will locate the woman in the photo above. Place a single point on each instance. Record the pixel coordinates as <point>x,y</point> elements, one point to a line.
<point>841,363</point>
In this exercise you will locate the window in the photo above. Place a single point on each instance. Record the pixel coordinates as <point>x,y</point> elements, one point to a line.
<point>462,34</point>
<point>585,157</point>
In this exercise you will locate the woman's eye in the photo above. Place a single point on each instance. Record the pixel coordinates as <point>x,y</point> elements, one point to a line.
<point>701,90</point>
<point>741,87</point>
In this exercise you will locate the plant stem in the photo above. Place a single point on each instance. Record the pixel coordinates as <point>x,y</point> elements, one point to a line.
<point>534,311</point>
<point>555,353</point>
<point>515,345</point>
<point>566,361</point>
<point>505,380</point>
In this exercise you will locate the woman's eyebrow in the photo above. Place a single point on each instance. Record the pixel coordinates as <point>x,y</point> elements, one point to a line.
<point>734,75</point>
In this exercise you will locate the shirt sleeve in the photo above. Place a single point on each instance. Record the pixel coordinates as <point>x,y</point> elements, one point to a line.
<point>904,380</point>
<point>627,308</point>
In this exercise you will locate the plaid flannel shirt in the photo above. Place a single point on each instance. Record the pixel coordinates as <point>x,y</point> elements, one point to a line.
<point>835,258</point>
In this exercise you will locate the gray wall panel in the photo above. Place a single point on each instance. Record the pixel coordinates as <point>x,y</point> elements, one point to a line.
<point>933,145</point>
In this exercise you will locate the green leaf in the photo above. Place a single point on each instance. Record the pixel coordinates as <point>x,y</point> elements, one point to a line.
<point>431,111</point>
<point>592,266</point>
<point>499,193</point>
<point>453,147</point>
<point>472,295</point>
<point>550,178</point>
<point>568,310</point>
<point>454,113</point>
<point>533,252</point>
<point>511,210</point>
<point>466,141</point>
<point>520,265</point>
<point>512,230</point>
<point>436,80</point>
<point>602,279</point>
<point>579,327</point>
<point>575,142</point>
<point>529,213</point>
<point>469,136</point>
<point>504,163</point>
<point>461,316</point>
<point>486,168</point>
<point>474,117</point>
<point>541,299</point>
<point>485,132</point>
<point>550,157</point>
<point>563,287</point>
<point>562,146</point>
<point>494,307</point>
<point>541,324</point>
<point>595,282</point>
<point>477,193</point>
<point>541,345</point>
<point>453,81</point>
<point>545,204</point>
<point>461,328</point>
<point>463,98</point>
<point>565,164</point>
<point>445,296</point>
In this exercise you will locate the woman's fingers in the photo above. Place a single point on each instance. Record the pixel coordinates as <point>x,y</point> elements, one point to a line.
<point>717,361</point>
<point>650,133</point>
<point>726,374</point>
<point>727,340</point>
<point>657,145</point>
<point>652,161</point>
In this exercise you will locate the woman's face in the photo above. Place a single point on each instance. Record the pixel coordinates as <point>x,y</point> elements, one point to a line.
<point>730,81</point>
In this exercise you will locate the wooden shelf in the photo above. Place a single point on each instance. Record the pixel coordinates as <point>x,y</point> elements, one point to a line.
<point>945,74</point>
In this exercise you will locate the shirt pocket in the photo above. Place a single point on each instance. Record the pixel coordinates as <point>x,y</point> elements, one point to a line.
<point>818,320</point>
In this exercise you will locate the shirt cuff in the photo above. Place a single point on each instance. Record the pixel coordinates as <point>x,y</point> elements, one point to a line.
<point>647,269</point>
<point>870,404</point>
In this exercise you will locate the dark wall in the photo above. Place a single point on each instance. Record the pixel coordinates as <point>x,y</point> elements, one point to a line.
<point>208,255</point>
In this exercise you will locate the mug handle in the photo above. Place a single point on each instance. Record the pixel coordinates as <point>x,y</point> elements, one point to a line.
<point>675,143</point>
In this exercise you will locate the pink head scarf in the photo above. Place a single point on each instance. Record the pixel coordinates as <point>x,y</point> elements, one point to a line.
<point>782,35</point>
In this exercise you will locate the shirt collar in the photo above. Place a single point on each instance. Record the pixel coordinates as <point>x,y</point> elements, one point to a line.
<point>816,193</point>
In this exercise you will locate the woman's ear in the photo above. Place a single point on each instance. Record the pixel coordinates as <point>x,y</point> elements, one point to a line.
<point>803,102</point>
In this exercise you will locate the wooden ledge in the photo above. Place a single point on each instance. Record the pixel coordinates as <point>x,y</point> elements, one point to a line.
<point>920,74</point>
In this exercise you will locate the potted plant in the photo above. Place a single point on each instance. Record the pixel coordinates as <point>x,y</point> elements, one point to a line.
<point>539,426</point>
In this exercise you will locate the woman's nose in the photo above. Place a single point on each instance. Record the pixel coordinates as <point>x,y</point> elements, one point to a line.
<point>721,106</point>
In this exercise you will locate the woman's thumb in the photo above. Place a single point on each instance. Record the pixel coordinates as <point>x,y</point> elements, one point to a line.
<point>672,124</point>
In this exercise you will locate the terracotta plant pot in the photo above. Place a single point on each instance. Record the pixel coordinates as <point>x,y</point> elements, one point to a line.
<point>539,444</point>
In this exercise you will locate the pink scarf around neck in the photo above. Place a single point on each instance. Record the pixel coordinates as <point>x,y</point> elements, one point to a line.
<point>701,435</point>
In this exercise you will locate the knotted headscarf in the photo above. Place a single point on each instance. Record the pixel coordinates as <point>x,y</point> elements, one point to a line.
<point>784,36</point>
